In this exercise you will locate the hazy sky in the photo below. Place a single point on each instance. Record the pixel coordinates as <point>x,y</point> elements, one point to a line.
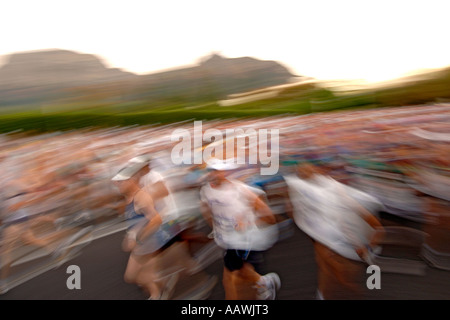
<point>336,39</point>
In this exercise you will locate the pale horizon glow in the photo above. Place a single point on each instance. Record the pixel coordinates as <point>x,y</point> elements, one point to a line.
<point>369,41</point>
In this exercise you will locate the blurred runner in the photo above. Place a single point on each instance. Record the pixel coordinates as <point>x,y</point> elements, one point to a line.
<point>242,226</point>
<point>18,223</point>
<point>177,202</point>
<point>158,255</point>
<point>342,227</point>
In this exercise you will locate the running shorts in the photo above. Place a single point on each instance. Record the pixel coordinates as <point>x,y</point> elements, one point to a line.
<point>234,259</point>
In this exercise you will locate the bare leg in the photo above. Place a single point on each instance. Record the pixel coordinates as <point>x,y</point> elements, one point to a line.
<point>132,270</point>
<point>160,267</point>
<point>147,275</point>
<point>336,274</point>
<point>240,284</point>
<point>247,278</point>
<point>228,284</point>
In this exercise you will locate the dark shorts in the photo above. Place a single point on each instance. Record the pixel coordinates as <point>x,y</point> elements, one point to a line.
<point>234,259</point>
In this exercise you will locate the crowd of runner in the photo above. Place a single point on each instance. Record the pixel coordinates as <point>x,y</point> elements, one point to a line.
<point>337,172</point>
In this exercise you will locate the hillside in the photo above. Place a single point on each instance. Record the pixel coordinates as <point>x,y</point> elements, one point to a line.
<point>61,77</point>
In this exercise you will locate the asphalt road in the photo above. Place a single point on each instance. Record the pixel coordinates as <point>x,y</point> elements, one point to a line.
<point>102,265</point>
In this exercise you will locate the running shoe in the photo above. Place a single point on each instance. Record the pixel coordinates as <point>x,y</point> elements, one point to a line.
<point>270,284</point>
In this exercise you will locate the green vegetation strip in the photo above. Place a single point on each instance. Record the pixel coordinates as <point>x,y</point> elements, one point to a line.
<point>293,102</point>
<point>69,121</point>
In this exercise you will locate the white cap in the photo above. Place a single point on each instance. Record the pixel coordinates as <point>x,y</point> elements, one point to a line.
<point>132,167</point>
<point>141,158</point>
<point>217,164</point>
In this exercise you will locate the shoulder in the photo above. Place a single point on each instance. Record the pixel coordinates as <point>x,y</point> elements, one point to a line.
<point>249,191</point>
<point>155,176</point>
<point>204,190</point>
<point>143,197</point>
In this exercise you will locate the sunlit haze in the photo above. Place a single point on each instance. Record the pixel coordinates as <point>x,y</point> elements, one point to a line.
<point>366,40</point>
<point>296,150</point>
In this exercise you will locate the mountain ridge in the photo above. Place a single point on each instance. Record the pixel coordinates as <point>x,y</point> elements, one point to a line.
<point>47,75</point>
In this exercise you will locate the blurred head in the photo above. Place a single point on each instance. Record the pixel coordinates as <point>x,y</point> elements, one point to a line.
<point>219,170</point>
<point>216,177</point>
<point>129,177</point>
<point>124,186</point>
<point>307,170</point>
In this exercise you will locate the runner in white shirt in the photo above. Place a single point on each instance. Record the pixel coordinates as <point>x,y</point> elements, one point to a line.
<point>245,227</point>
<point>340,222</point>
<point>159,255</point>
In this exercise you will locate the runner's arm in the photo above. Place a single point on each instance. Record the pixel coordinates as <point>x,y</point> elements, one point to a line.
<point>206,213</point>
<point>370,219</point>
<point>145,204</point>
<point>205,209</point>
<point>159,190</point>
<point>264,212</point>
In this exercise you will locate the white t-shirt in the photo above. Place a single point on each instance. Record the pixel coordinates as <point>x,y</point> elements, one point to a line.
<point>231,208</point>
<point>324,213</point>
<point>164,206</point>
<point>150,178</point>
